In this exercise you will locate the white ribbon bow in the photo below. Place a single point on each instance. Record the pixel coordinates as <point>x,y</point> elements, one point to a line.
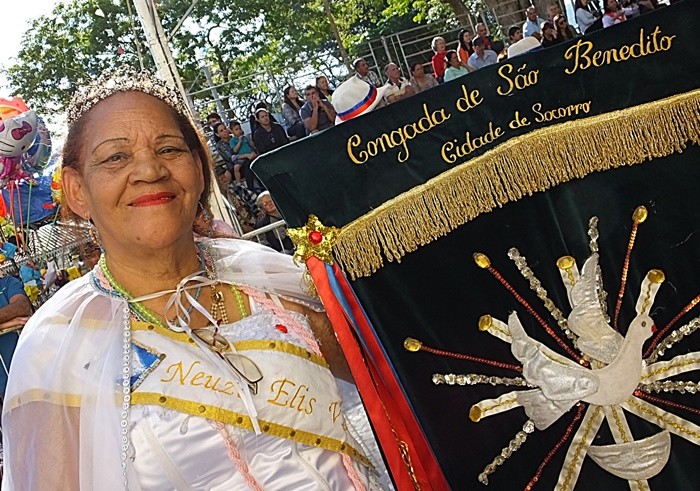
<point>182,315</point>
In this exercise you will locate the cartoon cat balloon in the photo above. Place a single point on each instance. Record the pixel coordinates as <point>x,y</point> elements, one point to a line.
<point>16,137</point>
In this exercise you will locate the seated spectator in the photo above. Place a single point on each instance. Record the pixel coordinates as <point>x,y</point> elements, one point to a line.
<point>439,65</point>
<point>223,146</point>
<point>465,49</point>
<point>242,199</point>
<point>269,135</point>
<point>532,24</point>
<point>212,119</point>
<point>397,87</point>
<point>630,8</point>
<point>243,155</point>
<point>277,239</point>
<point>15,310</point>
<point>318,114</point>
<point>419,80</point>
<point>553,10</point>
<point>291,106</point>
<point>586,14</point>
<point>515,34</point>
<point>253,120</point>
<point>549,35</point>
<point>455,68</point>
<point>363,72</point>
<point>482,32</point>
<point>645,5</point>
<point>564,30</point>
<point>613,14</point>
<point>482,57</point>
<point>222,138</point>
<point>324,90</point>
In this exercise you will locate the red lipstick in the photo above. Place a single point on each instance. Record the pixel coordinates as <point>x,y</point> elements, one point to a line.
<point>153,199</point>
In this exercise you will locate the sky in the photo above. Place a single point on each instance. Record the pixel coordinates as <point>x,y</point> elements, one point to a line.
<point>16,15</point>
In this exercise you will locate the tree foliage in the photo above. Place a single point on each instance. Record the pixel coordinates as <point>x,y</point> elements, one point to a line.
<point>252,47</point>
<point>61,51</point>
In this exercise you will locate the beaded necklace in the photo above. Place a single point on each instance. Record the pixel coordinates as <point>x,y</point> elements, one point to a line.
<point>139,310</point>
<point>143,313</point>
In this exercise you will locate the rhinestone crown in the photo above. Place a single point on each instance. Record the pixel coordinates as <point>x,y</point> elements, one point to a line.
<point>123,79</point>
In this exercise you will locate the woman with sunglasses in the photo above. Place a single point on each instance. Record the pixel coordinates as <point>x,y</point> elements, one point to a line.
<point>564,30</point>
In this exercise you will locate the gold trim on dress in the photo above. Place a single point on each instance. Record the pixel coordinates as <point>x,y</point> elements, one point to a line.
<point>243,421</point>
<point>519,167</point>
<point>248,345</point>
<point>41,395</point>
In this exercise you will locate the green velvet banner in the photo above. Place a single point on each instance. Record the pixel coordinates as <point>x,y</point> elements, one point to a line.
<point>625,77</point>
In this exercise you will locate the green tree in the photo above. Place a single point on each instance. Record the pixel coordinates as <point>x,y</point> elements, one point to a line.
<point>252,47</point>
<point>61,51</point>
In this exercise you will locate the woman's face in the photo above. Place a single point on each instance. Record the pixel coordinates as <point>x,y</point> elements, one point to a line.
<point>467,37</point>
<point>584,3</point>
<point>322,83</point>
<point>138,180</point>
<point>223,132</point>
<point>454,60</point>
<point>293,93</point>
<point>612,4</point>
<point>267,205</point>
<point>418,71</point>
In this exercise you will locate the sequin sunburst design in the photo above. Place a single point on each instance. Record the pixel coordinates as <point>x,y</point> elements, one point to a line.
<point>605,375</point>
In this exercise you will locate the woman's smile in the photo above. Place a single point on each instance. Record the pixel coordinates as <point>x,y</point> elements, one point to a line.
<point>153,199</point>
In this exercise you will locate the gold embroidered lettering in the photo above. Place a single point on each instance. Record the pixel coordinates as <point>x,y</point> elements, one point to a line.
<point>196,377</point>
<point>580,53</point>
<point>469,100</point>
<point>396,138</point>
<point>451,151</point>
<point>280,391</point>
<point>353,142</point>
<point>334,409</point>
<point>519,82</point>
<point>228,389</point>
<point>177,370</point>
<point>560,112</point>
<point>209,385</point>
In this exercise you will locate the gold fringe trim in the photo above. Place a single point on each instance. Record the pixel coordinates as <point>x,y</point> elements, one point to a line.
<point>523,165</point>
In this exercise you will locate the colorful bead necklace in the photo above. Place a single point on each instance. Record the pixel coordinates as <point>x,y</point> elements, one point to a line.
<point>141,311</point>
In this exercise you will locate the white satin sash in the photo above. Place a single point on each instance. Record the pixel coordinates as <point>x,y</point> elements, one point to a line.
<point>298,398</point>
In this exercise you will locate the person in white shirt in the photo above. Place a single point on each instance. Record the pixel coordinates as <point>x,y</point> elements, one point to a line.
<point>481,57</point>
<point>531,27</point>
<point>397,87</point>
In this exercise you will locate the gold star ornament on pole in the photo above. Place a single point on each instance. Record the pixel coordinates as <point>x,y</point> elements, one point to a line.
<point>313,239</point>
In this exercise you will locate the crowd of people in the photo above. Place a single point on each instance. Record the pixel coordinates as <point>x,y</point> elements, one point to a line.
<point>317,110</point>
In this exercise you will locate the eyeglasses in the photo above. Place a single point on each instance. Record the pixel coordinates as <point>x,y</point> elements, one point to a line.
<point>242,365</point>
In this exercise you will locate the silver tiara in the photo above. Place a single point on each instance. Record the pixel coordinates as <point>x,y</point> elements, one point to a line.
<point>123,79</point>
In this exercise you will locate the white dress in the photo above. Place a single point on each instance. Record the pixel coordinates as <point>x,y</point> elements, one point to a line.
<point>61,423</point>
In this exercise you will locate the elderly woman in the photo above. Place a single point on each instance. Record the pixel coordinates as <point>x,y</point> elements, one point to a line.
<point>419,80</point>
<point>175,364</point>
<point>439,47</point>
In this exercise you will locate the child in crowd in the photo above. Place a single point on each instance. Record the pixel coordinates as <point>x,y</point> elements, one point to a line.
<point>243,155</point>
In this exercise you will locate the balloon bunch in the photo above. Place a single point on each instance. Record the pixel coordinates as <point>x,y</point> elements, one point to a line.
<point>25,142</point>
